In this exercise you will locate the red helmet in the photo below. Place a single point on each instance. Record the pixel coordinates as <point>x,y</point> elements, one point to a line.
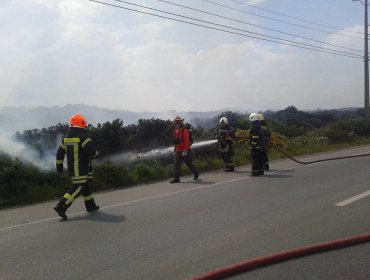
<point>178,120</point>
<point>77,121</point>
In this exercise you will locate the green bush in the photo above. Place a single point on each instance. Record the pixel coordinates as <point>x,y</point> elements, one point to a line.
<point>108,176</point>
<point>144,173</point>
<point>308,133</point>
<point>21,183</point>
<point>336,135</point>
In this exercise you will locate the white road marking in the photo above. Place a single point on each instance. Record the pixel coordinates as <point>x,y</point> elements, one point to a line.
<point>353,199</point>
<point>128,202</point>
<point>363,153</point>
<point>143,199</point>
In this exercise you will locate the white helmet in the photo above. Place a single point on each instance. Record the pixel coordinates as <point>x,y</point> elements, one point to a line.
<point>261,117</point>
<point>253,117</point>
<point>224,120</point>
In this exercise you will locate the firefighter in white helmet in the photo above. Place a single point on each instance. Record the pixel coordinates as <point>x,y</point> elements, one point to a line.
<point>266,139</point>
<point>257,145</point>
<point>225,136</point>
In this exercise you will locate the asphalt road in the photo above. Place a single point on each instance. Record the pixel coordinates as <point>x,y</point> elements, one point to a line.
<point>163,231</point>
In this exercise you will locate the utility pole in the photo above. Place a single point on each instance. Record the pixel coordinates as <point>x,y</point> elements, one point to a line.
<point>366,60</point>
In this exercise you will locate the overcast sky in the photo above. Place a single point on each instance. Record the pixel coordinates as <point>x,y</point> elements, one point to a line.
<point>57,52</point>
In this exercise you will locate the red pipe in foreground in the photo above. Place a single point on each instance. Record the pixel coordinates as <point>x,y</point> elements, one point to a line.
<point>282,256</point>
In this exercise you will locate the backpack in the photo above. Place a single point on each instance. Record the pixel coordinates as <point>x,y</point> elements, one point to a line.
<point>190,129</point>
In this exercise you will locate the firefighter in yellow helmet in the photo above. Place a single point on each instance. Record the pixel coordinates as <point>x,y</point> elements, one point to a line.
<point>182,140</point>
<point>225,136</point>
<point>79,149</point>
<point>266,139</point>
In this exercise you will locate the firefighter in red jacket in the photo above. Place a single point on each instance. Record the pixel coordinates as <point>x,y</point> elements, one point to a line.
<point>79,149</point>
<point>181,137</point>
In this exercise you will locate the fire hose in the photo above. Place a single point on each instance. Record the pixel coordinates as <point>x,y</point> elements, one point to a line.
<point>249,265</point>
<point>317,161</point>
<point>276,141</point>
<point>256,263</point>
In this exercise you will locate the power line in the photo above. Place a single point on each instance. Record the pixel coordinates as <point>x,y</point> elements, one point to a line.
<point>256,25</point>
<point>317,49</point>
<point>281,21</point>
<point>236,29</point>
<point>290,43</point>
<point>293,17</point>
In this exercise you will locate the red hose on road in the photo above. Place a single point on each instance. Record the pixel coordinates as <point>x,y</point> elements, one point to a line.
<point>282,256</point>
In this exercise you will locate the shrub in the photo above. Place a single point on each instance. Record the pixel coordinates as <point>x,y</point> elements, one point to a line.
<point>108,176</point>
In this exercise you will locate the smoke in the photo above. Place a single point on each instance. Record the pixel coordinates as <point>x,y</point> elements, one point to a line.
<point>15,149</point>
<point>45,158</point>
<point>129,157</point>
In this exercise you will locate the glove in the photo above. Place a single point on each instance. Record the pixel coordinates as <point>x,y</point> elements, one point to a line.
<point>184,153</point>
<point>59,168</point>
<point>97,154</point>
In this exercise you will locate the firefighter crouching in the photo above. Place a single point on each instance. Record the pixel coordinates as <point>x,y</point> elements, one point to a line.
<point>182,152</point>
<point>79,149</point>
<point>257,146</point>
<point>225,136</point>
<point>266,140</point>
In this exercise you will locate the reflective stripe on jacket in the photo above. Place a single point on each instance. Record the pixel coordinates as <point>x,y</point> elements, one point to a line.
<point>256,138</point>
<point>79,149</point>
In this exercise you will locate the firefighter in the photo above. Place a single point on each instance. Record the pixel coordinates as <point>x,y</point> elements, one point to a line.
<point>266,139</point>
<point>182,152</point>
<point>225,136</point>
<point>79,149</point>
<point>257,145</point>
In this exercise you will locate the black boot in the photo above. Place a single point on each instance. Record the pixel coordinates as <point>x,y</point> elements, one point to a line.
<point>91,206</point>
<point>196,176</point>
<point>175,180</point>
<point>229,169</point>
<point>61,210</point>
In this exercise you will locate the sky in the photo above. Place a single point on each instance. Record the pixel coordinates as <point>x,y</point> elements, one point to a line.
<point>58,52</point>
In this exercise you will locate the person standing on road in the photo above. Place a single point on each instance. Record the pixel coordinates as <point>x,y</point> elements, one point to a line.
<point>257,145</point>
<point>266,141</point>
<point>225,136</point>
<point>181,136</point>
<point>80,150</point>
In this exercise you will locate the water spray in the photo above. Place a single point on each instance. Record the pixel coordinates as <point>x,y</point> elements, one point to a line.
<point>129,157</point>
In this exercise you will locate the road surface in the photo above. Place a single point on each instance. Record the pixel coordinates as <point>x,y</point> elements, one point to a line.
<point>164,231</point>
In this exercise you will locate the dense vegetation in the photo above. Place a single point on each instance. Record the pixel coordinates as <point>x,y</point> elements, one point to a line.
<point>307,132</point>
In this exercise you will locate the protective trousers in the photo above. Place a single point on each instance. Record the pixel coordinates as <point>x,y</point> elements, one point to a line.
<point>73,192</point>
<point>188,159</point>
<point>226,157</point>
<point>265,160</point>
<point>257,162</point>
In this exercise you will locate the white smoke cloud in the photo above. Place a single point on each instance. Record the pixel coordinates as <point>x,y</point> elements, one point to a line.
<point>15,149</point>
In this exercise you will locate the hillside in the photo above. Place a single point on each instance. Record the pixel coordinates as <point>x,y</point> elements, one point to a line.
<point>21,118</point>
